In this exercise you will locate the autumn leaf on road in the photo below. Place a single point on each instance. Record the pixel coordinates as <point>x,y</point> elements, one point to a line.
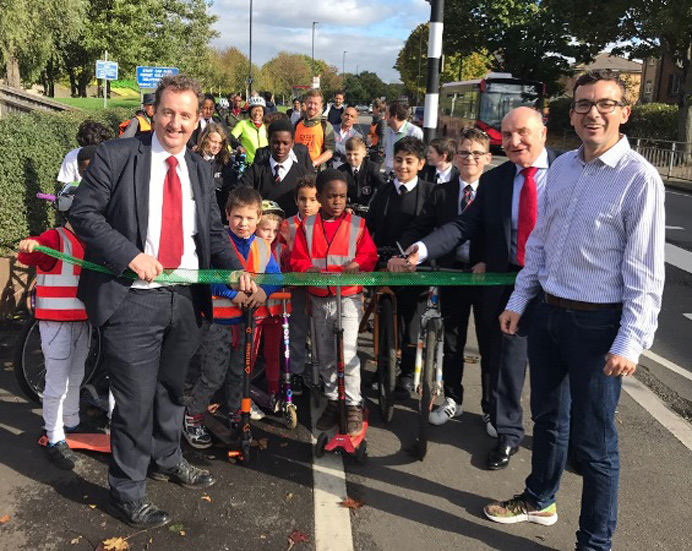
<point>207,498</point>
<point>113,544</point>
<point>297,537</point>
<point>351,503</point>
<point>4,519</point>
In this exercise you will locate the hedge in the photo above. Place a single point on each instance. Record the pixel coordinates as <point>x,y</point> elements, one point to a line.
<point>32,147</point>
<point>651,120</point>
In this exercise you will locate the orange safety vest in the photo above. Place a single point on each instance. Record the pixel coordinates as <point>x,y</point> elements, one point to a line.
<point>256,263</point>
<point>331,257</point>
<point>144,125</point>
<point>289,229</point>
<point>312,137</point>
<point>56,290</point>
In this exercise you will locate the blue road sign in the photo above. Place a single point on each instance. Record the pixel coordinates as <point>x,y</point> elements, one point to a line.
<point>107,70</point>
<point>148,77</point>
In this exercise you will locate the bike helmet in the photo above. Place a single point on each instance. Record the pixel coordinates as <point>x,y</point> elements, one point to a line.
<point>64,198</point>
<point>272,207</point>
<point>257,101</point>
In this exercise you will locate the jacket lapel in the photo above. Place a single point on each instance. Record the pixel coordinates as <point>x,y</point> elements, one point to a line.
<point>507,192</point>
<point>141,185</point>
<point>197,191</point>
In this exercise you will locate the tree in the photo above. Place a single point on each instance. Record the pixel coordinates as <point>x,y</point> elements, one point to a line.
<point>643,28</point>
<point>285,71</point>
<point>228,70</point>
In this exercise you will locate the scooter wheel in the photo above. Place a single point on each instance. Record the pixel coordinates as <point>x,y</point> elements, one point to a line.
<point>291,417</point>
<point>362,453</point>
<point>322,441</point>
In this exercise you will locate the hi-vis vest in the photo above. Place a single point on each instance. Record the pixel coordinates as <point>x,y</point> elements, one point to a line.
<point>144,125</point>
<point>256,263</point>
<point>331,257</point>
<point>312,137</point>
<point>56,290</point>
<point>289,229</point>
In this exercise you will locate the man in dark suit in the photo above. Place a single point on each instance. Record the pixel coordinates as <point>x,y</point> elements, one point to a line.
<point>147,205</point>
<point>276,177</point>
<point>504,211</point>
<point>445,203</point>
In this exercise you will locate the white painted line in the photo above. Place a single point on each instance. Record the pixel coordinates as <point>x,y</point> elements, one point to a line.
<point>332,522</point>
<point>688,316</point>
<point>674,228</point>
<point>680,258</point>
<point>675,368</point>
<point>680,428</point>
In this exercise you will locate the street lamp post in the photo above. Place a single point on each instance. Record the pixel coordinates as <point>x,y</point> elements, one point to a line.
<point>313,46</point>
<point>343,64</point>
<point>249,78</point>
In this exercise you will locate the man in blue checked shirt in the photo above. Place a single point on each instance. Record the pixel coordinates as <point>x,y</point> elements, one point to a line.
<point>596,262</point>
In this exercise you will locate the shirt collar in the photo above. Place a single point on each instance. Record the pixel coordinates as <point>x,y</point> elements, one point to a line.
<point>354,168</point>
<point>158,151</point>
<point>445,174</point>
<point>410,185</point>
<point>286,165</point>
<point>463,184</point>
<point>540,162</point>
<point>611,157</point>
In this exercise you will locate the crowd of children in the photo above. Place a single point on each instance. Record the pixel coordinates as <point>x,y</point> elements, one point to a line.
<point>324,236</point>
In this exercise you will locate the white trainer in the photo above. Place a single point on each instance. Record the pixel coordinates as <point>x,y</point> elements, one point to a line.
<point>489,426</point>
<point>255,413</point>
<point>441,414</point>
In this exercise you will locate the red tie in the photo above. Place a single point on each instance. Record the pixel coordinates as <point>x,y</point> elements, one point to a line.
<point>528,211</point>
<point>171,242</point>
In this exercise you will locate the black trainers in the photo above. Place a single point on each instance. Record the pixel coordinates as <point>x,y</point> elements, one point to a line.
<point>297,384</point>
<point>61,455</point>
<point>138,514</point>
<point>329,416</point>
<point>185,475</point>
<point>404,388</point>
<point>195,432</point>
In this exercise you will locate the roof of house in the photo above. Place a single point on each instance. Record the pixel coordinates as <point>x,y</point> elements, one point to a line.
<point>616,63</point>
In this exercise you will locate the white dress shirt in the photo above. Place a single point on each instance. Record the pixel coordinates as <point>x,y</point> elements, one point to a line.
<point>444,176</point>
<point>410,185</point>
<point>391,137</point>
<point>600,238</point>
<point>157,175</point>
<point>283,167</point>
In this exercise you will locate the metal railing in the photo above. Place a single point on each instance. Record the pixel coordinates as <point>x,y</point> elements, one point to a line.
<point>672,159</point>
<point>13,100</point>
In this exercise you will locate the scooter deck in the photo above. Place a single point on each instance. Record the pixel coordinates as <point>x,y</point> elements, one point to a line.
<point>95,442</point>
<point>219,429</point>
<point>348,443</point>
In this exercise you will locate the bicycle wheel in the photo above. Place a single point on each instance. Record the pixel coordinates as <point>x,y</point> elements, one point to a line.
<point>386,358</point>
<point>30,365</point>
<point>425,392</point>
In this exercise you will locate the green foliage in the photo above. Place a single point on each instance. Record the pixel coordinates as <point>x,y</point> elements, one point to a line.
<point>96,104</point>
<point>558,116</point>
<point>653,120</point>
<point>32,148</point>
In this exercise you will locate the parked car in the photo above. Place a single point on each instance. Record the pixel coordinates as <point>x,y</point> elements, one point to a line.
<point>362,108</point>
<point>417,114</point>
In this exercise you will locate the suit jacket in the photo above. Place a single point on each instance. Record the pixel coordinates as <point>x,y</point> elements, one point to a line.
<point>429,171</point>
<point>442,206</point>
<point>489,215</point>
<point>369,181</point>
<point>110,213</point>
<point>301,151</point>
<point>261,177</point>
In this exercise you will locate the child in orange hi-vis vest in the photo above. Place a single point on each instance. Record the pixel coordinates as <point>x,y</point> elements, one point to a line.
<point>65,331</point>
<point>299,323</point>
<point>221,351</point>
<point>336,241</point>
<point>270,326</point>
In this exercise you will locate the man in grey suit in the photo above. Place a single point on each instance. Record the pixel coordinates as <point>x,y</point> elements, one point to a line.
<point>507,202</point>
<point>147,204</point>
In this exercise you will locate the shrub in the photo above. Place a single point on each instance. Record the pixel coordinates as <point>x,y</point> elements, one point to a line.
<point>657,121</point>
<point>32,147</point>
<point>558,116</point>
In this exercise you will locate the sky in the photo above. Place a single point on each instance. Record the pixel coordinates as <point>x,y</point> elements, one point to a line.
<point>372,33</point>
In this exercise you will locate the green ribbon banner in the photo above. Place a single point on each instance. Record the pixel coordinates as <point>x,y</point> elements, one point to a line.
<point>438,278</point>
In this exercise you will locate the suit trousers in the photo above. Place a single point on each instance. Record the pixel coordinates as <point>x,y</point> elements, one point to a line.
<point>148,343</point>
<point>457,303</point>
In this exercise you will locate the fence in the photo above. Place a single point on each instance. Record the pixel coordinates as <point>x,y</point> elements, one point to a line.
<point>13,100</point>
<point>672,159</point>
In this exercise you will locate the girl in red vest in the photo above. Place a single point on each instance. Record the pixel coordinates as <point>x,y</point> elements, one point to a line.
<point>65,331</point>
<point>336,241</point>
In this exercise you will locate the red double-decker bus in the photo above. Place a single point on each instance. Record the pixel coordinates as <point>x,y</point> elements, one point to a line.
<point>484,102</point>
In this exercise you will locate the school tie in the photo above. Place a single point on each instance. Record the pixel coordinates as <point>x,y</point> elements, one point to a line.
<point>467,198</point>
<point>277,173</point>
<point>528,211</point>
<point>171,240</point>
<point>355,174</point>
<point>402,190</point>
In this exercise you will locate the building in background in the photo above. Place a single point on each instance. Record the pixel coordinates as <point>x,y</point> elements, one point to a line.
<point>661,80</point>
<point>630,72</point>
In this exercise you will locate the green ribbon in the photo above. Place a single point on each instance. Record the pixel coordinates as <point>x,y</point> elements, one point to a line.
<point>438,278</point>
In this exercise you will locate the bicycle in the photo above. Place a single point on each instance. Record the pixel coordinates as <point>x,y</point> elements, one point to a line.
<point>382,304</point>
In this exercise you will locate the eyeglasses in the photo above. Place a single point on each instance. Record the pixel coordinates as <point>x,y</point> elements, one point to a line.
<point>468,154</point>
<point>604,106</point>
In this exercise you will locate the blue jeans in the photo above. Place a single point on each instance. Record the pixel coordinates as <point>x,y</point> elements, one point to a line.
<point>567,351</point>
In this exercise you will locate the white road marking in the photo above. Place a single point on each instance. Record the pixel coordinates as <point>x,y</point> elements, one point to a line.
<point>680,258</point>
<point>674,228</point>
<point>675,368</point>
<point>688,316</point>
<point>332,522</point>
<point>675,424</point>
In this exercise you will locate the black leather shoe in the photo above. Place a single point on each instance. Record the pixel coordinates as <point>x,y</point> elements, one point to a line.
<point>139,514</point>
<point>404,388</point>
<point>184,474</point>
<point>499,457</point>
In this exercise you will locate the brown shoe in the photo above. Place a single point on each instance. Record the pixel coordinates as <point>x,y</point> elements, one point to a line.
<point>329,416</point>
<point>355,420</point>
